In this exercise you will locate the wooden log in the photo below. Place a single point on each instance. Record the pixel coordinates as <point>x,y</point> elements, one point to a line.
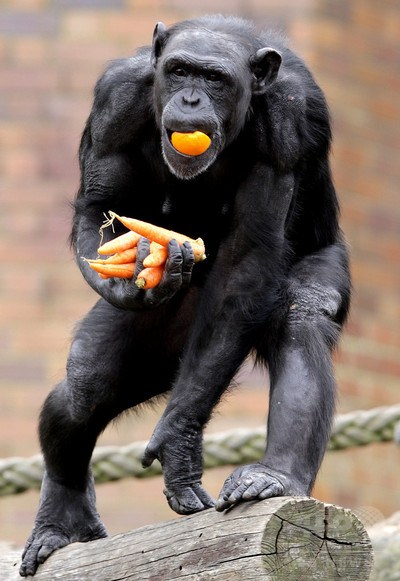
<point>283,539</point>
<point>385,537</point>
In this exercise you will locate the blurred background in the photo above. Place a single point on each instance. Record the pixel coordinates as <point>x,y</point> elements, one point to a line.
<point>51,53</point>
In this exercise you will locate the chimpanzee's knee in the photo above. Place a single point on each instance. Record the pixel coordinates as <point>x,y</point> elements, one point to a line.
<point>315,309</point>
<point>313,301</point>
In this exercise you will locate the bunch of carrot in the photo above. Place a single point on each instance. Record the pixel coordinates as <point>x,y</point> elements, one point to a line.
<point>121,263</point>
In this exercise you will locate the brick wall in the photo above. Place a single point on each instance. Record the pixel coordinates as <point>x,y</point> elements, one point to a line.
<point>51,53</point>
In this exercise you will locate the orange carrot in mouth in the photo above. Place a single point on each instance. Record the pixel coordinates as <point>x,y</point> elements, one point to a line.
<point>193,144</point>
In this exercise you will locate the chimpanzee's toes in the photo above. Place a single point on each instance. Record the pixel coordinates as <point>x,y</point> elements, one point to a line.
<point>38,548</point>
<point>250,482</point>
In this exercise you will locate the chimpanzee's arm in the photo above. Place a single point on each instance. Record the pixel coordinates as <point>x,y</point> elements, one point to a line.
<point>239,295</point>
<point>109,181</point>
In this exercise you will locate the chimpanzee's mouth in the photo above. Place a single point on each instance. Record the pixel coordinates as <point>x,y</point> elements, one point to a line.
<point>189,155</point>
<point>189,142</point>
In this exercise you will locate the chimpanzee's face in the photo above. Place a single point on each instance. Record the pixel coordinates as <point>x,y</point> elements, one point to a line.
<point>202,83</point>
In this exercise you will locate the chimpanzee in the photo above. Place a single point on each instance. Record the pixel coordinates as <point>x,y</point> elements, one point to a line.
<point>275,282</point>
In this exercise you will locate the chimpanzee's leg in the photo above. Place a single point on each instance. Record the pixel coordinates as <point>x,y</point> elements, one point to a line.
<point>302,394</point>
<point>110,368</point>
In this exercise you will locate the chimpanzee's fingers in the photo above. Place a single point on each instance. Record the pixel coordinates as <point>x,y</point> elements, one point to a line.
<point>172,277</point>
<point>187,264</point>
<point>229,486</point>
<point>143,250</point>
<point>175,259</point>
<point>149,455</point>
<point>247,483</point>
<point>272,490</point>
<point>203,495</point>
<point>189,499</point>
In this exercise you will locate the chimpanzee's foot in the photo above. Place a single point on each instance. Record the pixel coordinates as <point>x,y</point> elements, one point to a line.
<point>251,482</point>
<point>45,539</point>
<point>65,516</point>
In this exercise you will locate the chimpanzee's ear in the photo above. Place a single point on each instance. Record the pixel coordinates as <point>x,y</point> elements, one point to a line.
<point>264,66</point>
<point>159,39</point>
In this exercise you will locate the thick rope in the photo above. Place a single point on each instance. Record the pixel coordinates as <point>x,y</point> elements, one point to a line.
<point>234,447</point>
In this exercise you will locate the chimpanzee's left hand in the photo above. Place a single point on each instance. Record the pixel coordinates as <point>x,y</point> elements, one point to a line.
<point>178,447</point>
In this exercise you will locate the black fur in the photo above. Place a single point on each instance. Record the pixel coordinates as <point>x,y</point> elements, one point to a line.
<point>275,282</point>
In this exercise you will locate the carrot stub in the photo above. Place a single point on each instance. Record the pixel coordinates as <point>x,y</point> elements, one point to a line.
<point>150,277</point>
<point>193,144</point>
<point>160,235</point>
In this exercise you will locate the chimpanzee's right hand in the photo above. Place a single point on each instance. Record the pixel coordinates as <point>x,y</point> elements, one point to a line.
<point>124,293</point>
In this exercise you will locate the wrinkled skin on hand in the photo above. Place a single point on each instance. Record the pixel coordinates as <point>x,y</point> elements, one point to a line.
<point>125,294</point>
<point>179,450</point>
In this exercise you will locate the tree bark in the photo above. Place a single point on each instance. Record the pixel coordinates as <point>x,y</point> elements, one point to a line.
<point>277,539</point>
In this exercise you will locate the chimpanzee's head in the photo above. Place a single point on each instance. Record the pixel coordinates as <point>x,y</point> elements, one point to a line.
<point>204,81</point>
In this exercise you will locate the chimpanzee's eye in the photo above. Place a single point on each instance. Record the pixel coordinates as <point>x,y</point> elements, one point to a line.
<point>179,72</point>
<point>214,77</point>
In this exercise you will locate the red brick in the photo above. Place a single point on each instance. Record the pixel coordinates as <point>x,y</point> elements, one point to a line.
<point>24,164</point>
<point>28,78</point>
<point>82,25</point>
<point>17,22</point>
<point>30,51</point>
<point>22,371</point>
<point>25,5</point>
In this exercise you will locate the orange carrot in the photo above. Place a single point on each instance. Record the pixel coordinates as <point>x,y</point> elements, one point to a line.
<point>161,235</point>
<point>123,257</point>
<point>155,246</point>
<point>156,258</point>
<point>119,244</point>
<point>117,270</point>
<point>149,277</point>
<point>194,143</point>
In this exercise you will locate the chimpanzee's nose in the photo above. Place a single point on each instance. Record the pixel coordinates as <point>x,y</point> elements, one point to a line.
<point>191,97</point>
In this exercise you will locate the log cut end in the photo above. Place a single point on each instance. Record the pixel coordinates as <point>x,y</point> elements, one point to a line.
<point>305,539</point>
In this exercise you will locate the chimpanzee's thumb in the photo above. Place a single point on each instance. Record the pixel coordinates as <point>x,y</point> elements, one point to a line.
<point>148,457</point>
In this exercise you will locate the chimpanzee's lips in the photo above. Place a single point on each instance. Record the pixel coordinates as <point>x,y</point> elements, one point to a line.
<point>189,143</point>
<point>169,133</point>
